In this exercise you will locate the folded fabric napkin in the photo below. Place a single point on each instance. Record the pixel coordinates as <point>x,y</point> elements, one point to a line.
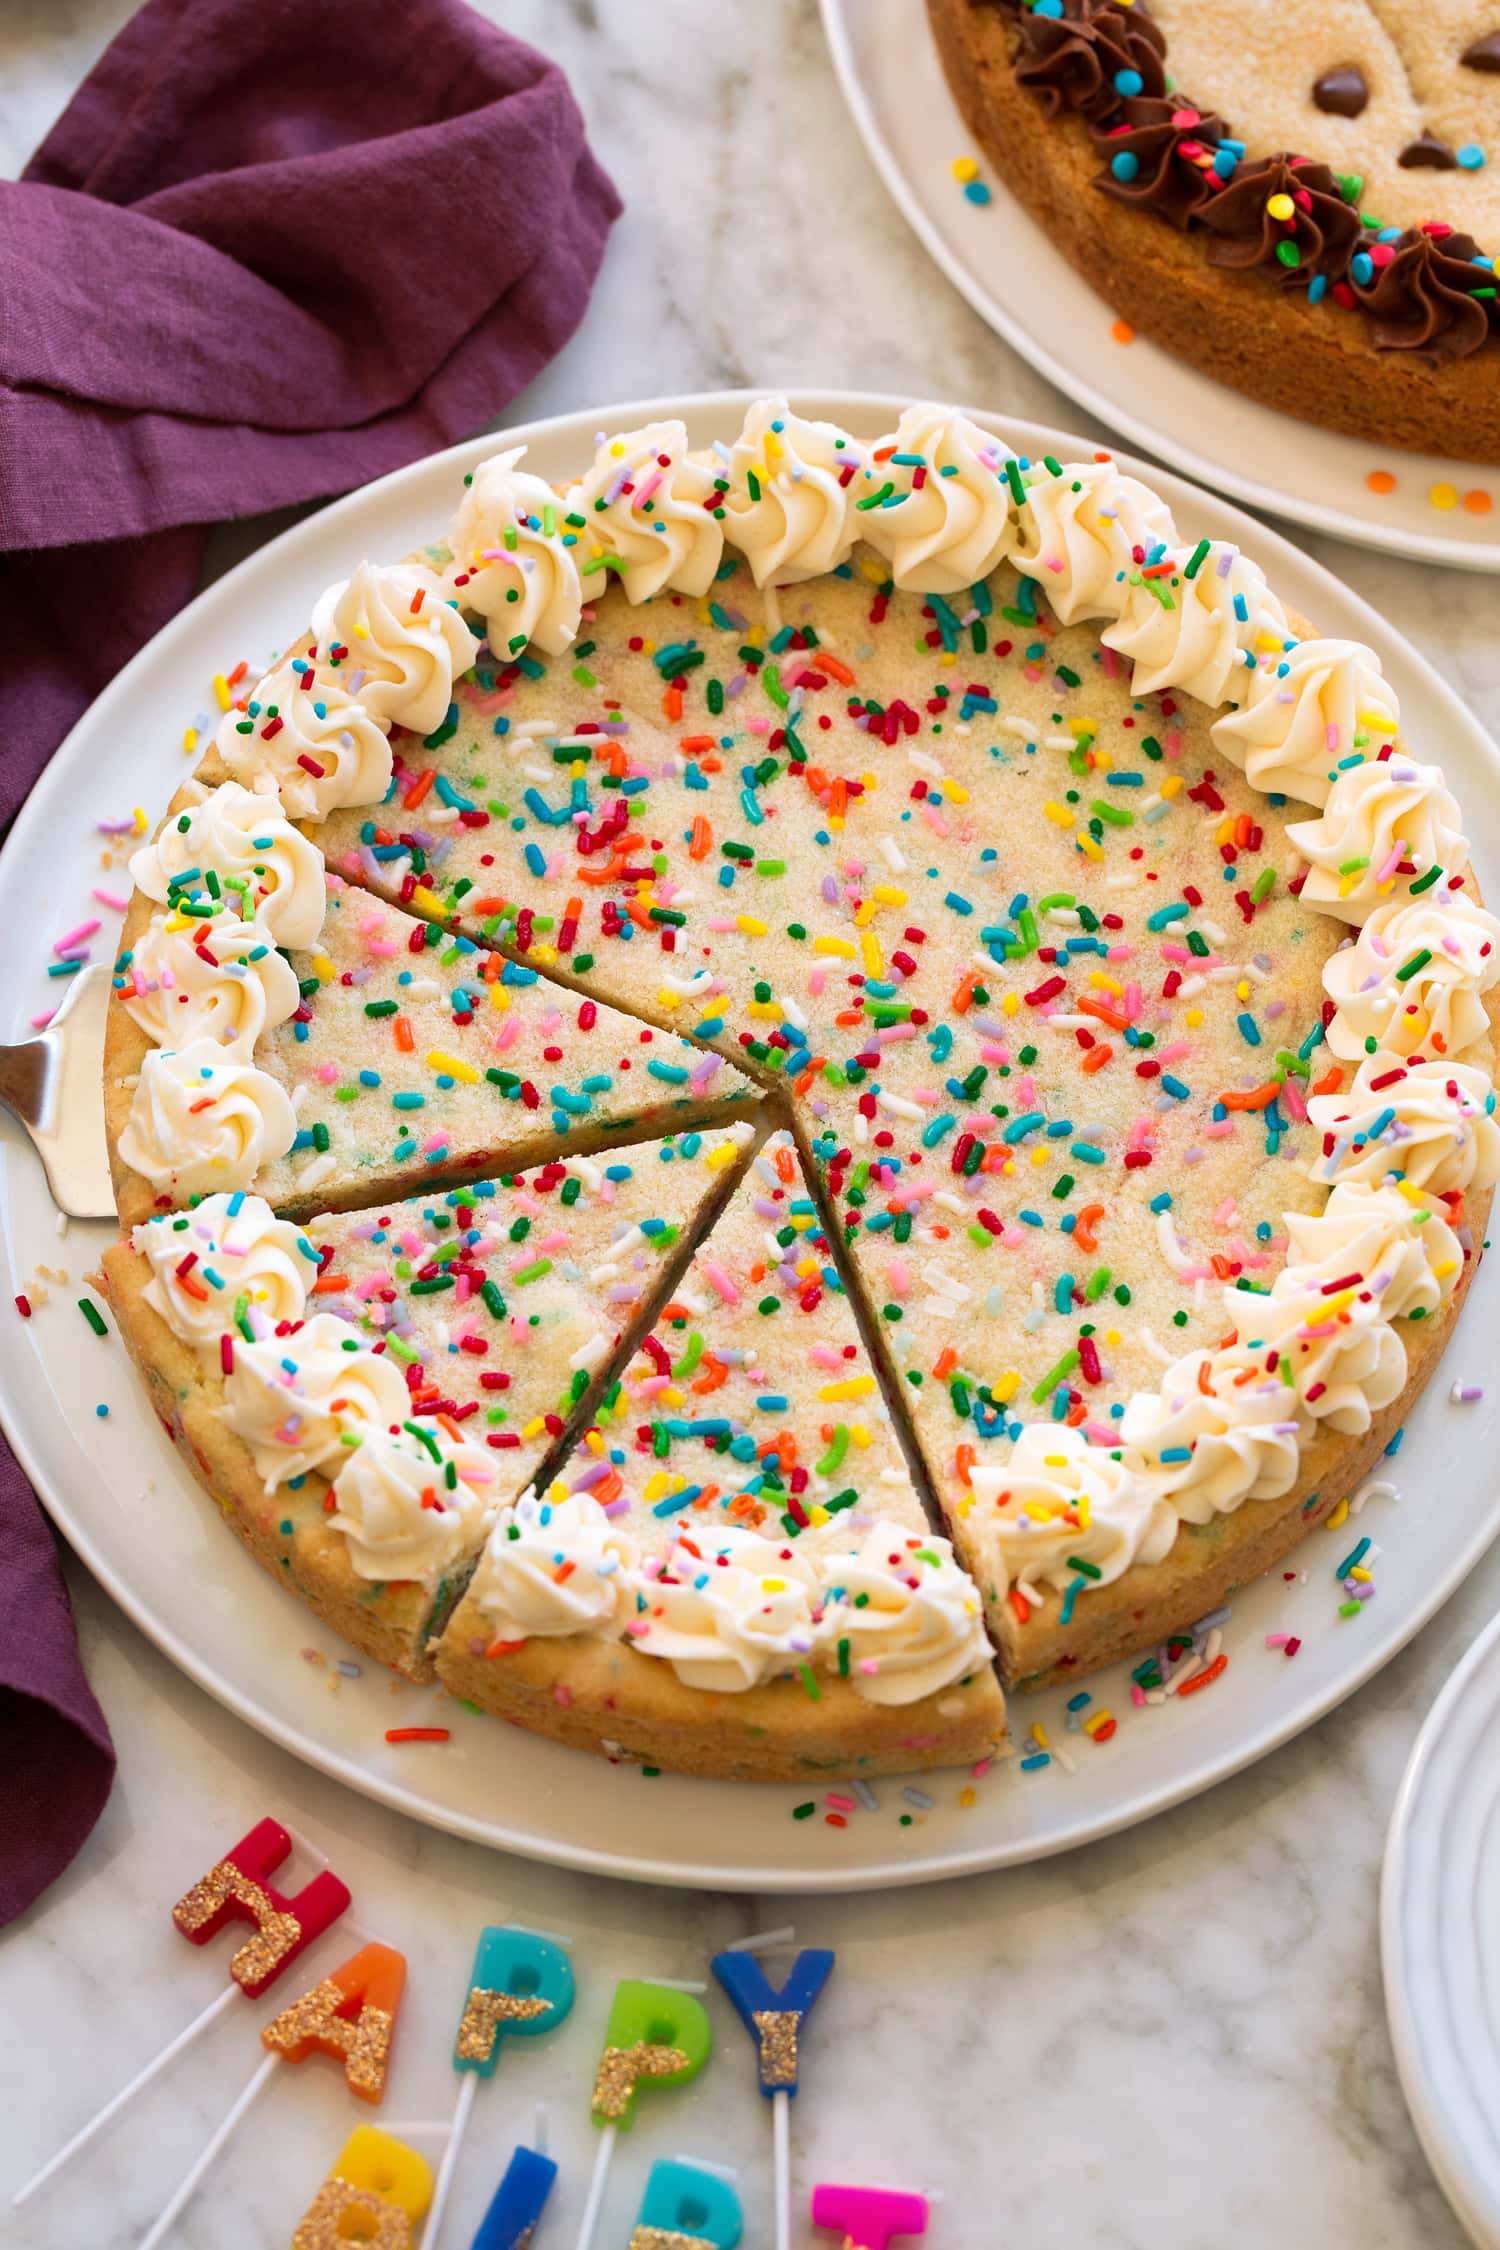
<point>55,1752</point>
<point>268,252</point>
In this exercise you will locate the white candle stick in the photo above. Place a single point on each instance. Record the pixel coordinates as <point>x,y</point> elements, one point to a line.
<point>781,2141</point>
<point>217,2140</point>
<point>113,2107</point>
<point>468,2087</point>
<point>597,2185</point>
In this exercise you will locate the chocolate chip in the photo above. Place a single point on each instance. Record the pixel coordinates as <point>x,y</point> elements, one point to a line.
<point>1343,92</point>
<point>1428,154</point>
<point>1483,53</point>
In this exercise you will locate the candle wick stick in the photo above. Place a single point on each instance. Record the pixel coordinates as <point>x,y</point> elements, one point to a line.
<point>781,2141</point>
<point>597,2185</point>
<point>468,2087</point>
<point>112,2108</point>
<point>247,2096</point>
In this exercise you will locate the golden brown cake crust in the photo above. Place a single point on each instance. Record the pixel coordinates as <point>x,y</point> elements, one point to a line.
<point>1238,327</point>
<point>1207,1562</point>
<point>605,1696</point>
<point>285,1531</point>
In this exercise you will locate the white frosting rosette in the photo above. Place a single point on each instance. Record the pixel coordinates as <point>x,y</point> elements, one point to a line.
<point>1080,533</point>
<point>202,1120</point>
<point>409,1503</point>
<point>1303,712</point>
<point>555,1566</point>
<point>1337,1355</point>
<point>1223,1428</point>
<point>263,867</point>
<point>222,981</point>
<point>514,559</point>
<point>397,641</point>
<point>307,740</point>
<point>1414,978</point>
<point>727,1610</point>
<point>650,508</point>
<point>1196,632</point>
<point>912,1619</point>
<point>228,1251</point>
<point>793,485</point>
<point>1431,1123</point>
<point>948,522</point>
<point>1386,824</point>
<point>1390,1243</point>
<point>1058,1498</point>
<point>293,1399</point>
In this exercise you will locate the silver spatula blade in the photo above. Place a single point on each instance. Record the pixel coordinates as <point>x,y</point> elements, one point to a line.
<point>55,1085</point>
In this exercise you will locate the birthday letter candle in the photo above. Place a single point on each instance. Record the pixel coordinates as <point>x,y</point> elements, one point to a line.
<point>870,2218</point>
<point>351,2015</point>
<point>237,1888</point>
<point>657,2036</point>
<point>375,2195</point>
<point>685,2208</point>
<point>774,2017</point>
<point>521,1985</point>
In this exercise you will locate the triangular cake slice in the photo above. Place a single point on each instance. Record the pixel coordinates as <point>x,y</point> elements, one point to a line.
<point>374,1052</point>
<point>360,1397</point>
<point>733,1574</point>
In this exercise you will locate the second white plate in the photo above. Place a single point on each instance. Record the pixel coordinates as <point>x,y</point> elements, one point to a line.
<point>83,1426</point>
<point>1440,1937</point>
<point>1002,261</point>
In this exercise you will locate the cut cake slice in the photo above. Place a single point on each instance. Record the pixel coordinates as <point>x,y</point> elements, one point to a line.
<point>733,1574</point>
<point>470,1327</point>
<point>407,1054</point>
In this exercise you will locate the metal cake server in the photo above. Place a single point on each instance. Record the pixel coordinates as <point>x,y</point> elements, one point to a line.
<point>54,1085</point>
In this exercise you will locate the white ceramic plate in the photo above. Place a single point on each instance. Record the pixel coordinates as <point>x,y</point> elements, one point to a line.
<point>118,1491</point>
<point>1440,1937</point>
<point>1002,261</point>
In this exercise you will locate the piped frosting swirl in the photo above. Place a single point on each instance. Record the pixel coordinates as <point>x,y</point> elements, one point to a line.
<point>267,868</point>
<point>396,642</point>
<point>514,559</point>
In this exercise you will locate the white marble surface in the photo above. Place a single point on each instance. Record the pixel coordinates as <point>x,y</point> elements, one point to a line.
<point>1173,2038</point>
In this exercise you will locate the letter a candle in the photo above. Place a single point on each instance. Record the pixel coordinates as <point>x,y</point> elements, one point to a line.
<point>350,2015</point>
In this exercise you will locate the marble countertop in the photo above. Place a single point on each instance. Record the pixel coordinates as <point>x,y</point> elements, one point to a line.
<point>1171,2038</point>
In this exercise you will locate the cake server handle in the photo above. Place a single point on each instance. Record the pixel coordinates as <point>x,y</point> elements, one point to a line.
<point>54,1084</point>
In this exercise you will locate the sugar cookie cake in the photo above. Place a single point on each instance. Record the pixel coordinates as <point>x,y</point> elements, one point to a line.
<point>756,1005</point>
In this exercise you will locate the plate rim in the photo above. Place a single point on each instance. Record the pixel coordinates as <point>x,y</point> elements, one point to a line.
<point>777,1876</point>
<point>1482,557</point>
<point>1475,2203</point>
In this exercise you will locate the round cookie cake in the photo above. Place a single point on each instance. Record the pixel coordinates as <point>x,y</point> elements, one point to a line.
<point>728,1015</point>
<point>1301,197</point>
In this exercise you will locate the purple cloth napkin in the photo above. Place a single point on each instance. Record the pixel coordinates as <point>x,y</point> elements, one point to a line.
<point>269,251</point>
<point>55,1753</point>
